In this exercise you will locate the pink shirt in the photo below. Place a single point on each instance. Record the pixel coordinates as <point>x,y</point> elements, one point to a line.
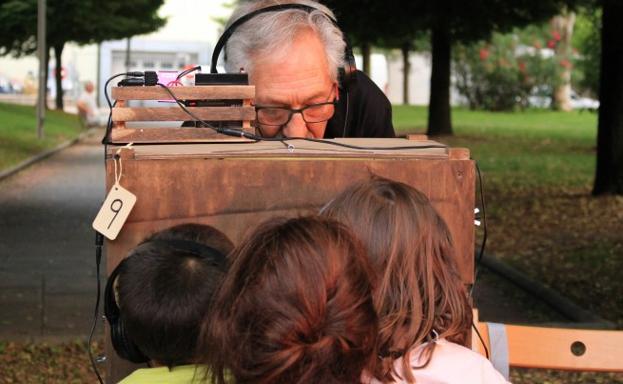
<point>450,364</point>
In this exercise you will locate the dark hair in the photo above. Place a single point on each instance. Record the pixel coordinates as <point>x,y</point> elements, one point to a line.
<point>164,292</point>
<point>419,289</point>
<point>295,307</point>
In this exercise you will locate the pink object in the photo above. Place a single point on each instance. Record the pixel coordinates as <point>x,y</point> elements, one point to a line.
<point>167,78</point>
<point>450,364</point>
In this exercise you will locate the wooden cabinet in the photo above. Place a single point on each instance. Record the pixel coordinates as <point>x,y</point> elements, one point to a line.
<point>236,185</point>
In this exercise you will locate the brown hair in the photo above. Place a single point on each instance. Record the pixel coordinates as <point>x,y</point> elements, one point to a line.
<point>296,306</point>
<point>419,291</point>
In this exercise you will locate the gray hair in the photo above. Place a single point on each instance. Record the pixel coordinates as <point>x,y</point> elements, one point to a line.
<point>272,33</point>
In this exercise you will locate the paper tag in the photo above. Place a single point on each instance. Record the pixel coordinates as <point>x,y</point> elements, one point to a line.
<point>114,211</point>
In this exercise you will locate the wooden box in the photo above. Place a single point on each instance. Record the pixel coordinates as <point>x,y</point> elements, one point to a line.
<point>235,186</point>
<point>239,96</point>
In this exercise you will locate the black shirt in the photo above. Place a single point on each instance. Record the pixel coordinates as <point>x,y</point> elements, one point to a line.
<point>369,111</point>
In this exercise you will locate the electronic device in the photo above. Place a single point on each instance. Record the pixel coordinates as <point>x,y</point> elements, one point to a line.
<point>217,79</point>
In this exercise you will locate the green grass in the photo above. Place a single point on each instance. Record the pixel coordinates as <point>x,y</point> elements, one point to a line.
<point>538,168</point>
<point>18,132</point>
<point>521,149</point>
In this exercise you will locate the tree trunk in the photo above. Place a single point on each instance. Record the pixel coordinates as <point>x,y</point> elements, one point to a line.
<point>439,113</point>
<point>47,74</point>
<point>365,53</point>
<point>609,173</point>
<point>58,52</point>
<point>562,26</point>
<point>406,70</point>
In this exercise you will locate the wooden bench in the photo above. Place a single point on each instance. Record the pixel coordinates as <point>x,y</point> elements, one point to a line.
<point>549,348</point>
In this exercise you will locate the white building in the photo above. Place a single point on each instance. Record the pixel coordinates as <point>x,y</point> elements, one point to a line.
<point>187,38</point>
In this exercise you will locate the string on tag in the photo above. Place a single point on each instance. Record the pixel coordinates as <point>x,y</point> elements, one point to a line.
<point>119,168</point>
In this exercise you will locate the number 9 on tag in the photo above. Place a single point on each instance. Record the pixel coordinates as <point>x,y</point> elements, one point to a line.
<point>114,212</point>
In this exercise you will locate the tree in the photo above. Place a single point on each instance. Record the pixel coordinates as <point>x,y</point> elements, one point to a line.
<point>361,22</point>
<point>609,172</point>
<point>587,38</point>
<point>452,21</point>
<point>387,24</point>
<point>562,34</point>
<point>79,21</point>
<point>404,34</point>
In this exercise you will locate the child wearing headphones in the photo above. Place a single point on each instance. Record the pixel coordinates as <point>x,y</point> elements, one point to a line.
<point>295,307</point>
<point>422,305</point>
<point>157,297</point>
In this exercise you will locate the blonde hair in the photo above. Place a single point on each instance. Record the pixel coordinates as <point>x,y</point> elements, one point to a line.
<point>419,291</point>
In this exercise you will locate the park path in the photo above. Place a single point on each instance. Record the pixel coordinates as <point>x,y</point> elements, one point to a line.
<point>47,267</point>
<point>47,261</point>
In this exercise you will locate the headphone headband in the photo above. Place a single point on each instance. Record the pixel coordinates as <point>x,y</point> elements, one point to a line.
<point>213,256</point>
<point>346,74</point>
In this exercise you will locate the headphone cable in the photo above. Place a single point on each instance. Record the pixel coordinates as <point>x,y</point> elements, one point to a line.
<point>483,245</point>
<point>482,341</point>
<point>234,132</point>
<point>99,242</point>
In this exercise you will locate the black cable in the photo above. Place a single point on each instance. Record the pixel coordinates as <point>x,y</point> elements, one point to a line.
<point>240,133</point>
<point>131,74</point>
<point>482,341</point>
<point>99,242</point>
<point>243,134</point>
<point>189,70</point>
<point>482,249</point>
<point>106,139</point>
<point>189,113</point>
<point>484,227</point>
<point>108,132</point>
<point>368,148</point>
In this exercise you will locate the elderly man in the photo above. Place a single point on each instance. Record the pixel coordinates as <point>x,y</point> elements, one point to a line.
<point>293,57</point>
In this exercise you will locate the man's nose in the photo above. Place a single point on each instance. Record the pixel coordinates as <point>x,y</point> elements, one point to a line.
<point>296,127</point>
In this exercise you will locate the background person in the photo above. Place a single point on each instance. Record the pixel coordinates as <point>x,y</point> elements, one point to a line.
<point>157,297</point>
<point>422,305</point>
<point>293,58</point>
<point>88,111</point>
<point>295,307</point>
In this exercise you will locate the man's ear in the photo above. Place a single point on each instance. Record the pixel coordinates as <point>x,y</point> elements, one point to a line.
<point>336,88</point>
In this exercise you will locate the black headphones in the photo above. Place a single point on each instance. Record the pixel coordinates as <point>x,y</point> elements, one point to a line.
<point>346,73</point>
<point>122,344</point>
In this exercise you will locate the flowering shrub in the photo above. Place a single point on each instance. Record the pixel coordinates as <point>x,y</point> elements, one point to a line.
<point>510,70</point>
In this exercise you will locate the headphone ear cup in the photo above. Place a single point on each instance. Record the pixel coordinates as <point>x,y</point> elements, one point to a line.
<point>124,347</point>
<point>347,73</point>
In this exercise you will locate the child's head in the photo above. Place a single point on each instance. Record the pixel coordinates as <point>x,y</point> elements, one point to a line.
<point>157,297</point>
<point>295,306</point>
<point>419,291</point>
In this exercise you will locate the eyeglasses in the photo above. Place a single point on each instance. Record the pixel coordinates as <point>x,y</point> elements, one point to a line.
<point>279,116</point>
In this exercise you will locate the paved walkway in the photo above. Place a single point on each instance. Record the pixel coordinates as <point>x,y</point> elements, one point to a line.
<point>47,268</point>
<point>47,261</point>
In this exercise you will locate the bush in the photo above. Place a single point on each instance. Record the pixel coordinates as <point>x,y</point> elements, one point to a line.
<point>505,72</point>
<point>587,39</point>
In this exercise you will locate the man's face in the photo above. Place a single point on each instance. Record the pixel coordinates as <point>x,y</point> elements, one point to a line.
<point>296,79</point>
